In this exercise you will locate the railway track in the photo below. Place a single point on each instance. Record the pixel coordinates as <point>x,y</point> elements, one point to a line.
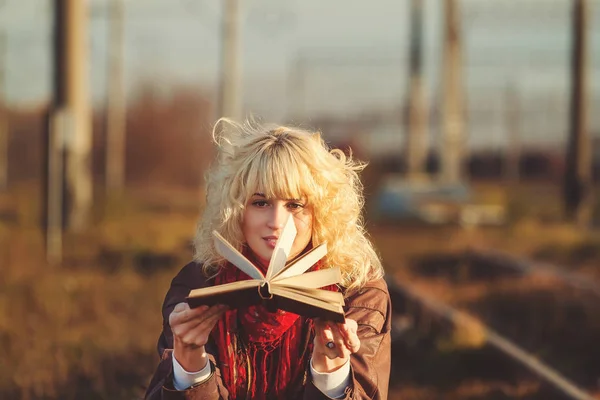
<point>506,260</point>
<point>535,324</point>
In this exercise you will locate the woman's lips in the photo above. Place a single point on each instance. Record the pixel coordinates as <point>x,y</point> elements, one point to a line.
<point>271,241</point>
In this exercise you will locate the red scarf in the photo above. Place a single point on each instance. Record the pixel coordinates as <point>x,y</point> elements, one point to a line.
<point>261,353</point>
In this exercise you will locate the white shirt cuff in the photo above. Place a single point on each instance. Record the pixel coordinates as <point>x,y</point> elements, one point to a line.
<point>332,384</point>
<point>183,379</point>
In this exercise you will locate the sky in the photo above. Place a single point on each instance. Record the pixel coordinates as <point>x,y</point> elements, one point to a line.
<point>352,56</point>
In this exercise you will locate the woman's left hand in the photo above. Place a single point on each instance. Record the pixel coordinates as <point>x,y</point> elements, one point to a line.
<point>345,342</point>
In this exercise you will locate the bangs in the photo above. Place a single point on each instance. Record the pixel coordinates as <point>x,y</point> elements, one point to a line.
<point>274,173</point>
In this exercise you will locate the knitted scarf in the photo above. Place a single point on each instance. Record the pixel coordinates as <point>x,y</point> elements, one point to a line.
<point>262,354</point>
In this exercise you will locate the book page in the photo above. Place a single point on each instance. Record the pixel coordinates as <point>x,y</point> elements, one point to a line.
<point>324,295</point>
<point>230,253</point>
<point>226,287</point>
<point>282,249</point>
<point>313,280</point>
<point>302,263</point>
<point>234,296</point>
<point>308,306</point>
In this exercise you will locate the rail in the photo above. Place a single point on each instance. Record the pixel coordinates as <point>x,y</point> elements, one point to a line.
<point>502,259</point>
<point>460,318</point>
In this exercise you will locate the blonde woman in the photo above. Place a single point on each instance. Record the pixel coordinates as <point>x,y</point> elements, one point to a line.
<point>261,177</point>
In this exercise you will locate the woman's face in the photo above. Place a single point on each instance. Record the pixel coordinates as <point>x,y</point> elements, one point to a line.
<point>264,220</point>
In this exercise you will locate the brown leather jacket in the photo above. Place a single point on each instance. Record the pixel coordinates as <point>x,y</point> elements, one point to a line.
<point>370,367</point>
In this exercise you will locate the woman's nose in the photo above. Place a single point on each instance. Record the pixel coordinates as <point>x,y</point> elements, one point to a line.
<point>278,217</point>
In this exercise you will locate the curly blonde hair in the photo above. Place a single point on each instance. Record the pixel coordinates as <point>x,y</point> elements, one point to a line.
<point>287,162</point>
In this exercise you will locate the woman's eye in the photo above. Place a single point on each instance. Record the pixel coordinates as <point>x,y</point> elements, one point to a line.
<point>295,206</point>
<point>260,203</point>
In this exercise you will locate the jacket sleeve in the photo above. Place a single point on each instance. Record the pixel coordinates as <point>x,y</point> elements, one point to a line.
<point>370,366</point>
<point>161,385</point>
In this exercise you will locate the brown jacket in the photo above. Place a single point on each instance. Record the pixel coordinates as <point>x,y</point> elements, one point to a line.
<point>370,367</point>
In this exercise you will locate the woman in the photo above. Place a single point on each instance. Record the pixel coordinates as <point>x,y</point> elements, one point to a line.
<point>264,175</point>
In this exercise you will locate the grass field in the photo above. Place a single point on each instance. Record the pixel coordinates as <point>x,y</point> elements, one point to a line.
<point>88,328</point>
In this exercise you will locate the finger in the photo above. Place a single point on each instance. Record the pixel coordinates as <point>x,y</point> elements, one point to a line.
<point>340,349</point>
<point>330,342</point>
<point>349,332</point>
<point>197,331</point>
<point>319,324</point>
<point>180,307</point>
<point>326,333</point>
<point>321,331</point>
<point>183,323</point>
<point>182,314</point>
<point>348,327</point>
<point>199,334</point>
<point>214,312</point>
<point>189,314</point>
<point>324,338</point>
<point>352,324</point>
<point>353,343</point>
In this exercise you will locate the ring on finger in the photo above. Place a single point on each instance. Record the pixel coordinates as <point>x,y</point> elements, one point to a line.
<point>330,345</point>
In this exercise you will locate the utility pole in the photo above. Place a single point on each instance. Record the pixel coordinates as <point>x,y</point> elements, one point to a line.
<point>54,184</point>
<point>58,122</point>
<point>416,143</point>
<point>74,77</point>
<point>69,130</point>
<point>453,125</point>
<point>577,184</point>
<point>116,104</point>
<point>3,116</point>
<point>230,81</point>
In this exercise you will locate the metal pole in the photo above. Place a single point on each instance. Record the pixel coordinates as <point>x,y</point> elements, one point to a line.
<point>53,185</point>
<point>68,129</point>
<point>230,82</point>
<point>59,123</point>
<point>116,104</point>
<point>577,184</point>
<point>416,143</point>
<point>453,125</point>
<point>3,116</point>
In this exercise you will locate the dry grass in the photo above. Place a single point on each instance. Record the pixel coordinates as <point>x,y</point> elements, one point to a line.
<point>88,328</point>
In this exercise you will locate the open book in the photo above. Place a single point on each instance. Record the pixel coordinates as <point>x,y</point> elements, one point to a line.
<point>286,285</point>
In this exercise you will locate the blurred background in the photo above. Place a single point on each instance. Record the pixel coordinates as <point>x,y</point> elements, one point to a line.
<point>478,120</point>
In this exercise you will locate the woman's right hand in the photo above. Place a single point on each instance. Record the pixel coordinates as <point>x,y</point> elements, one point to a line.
<point>191,329</point>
